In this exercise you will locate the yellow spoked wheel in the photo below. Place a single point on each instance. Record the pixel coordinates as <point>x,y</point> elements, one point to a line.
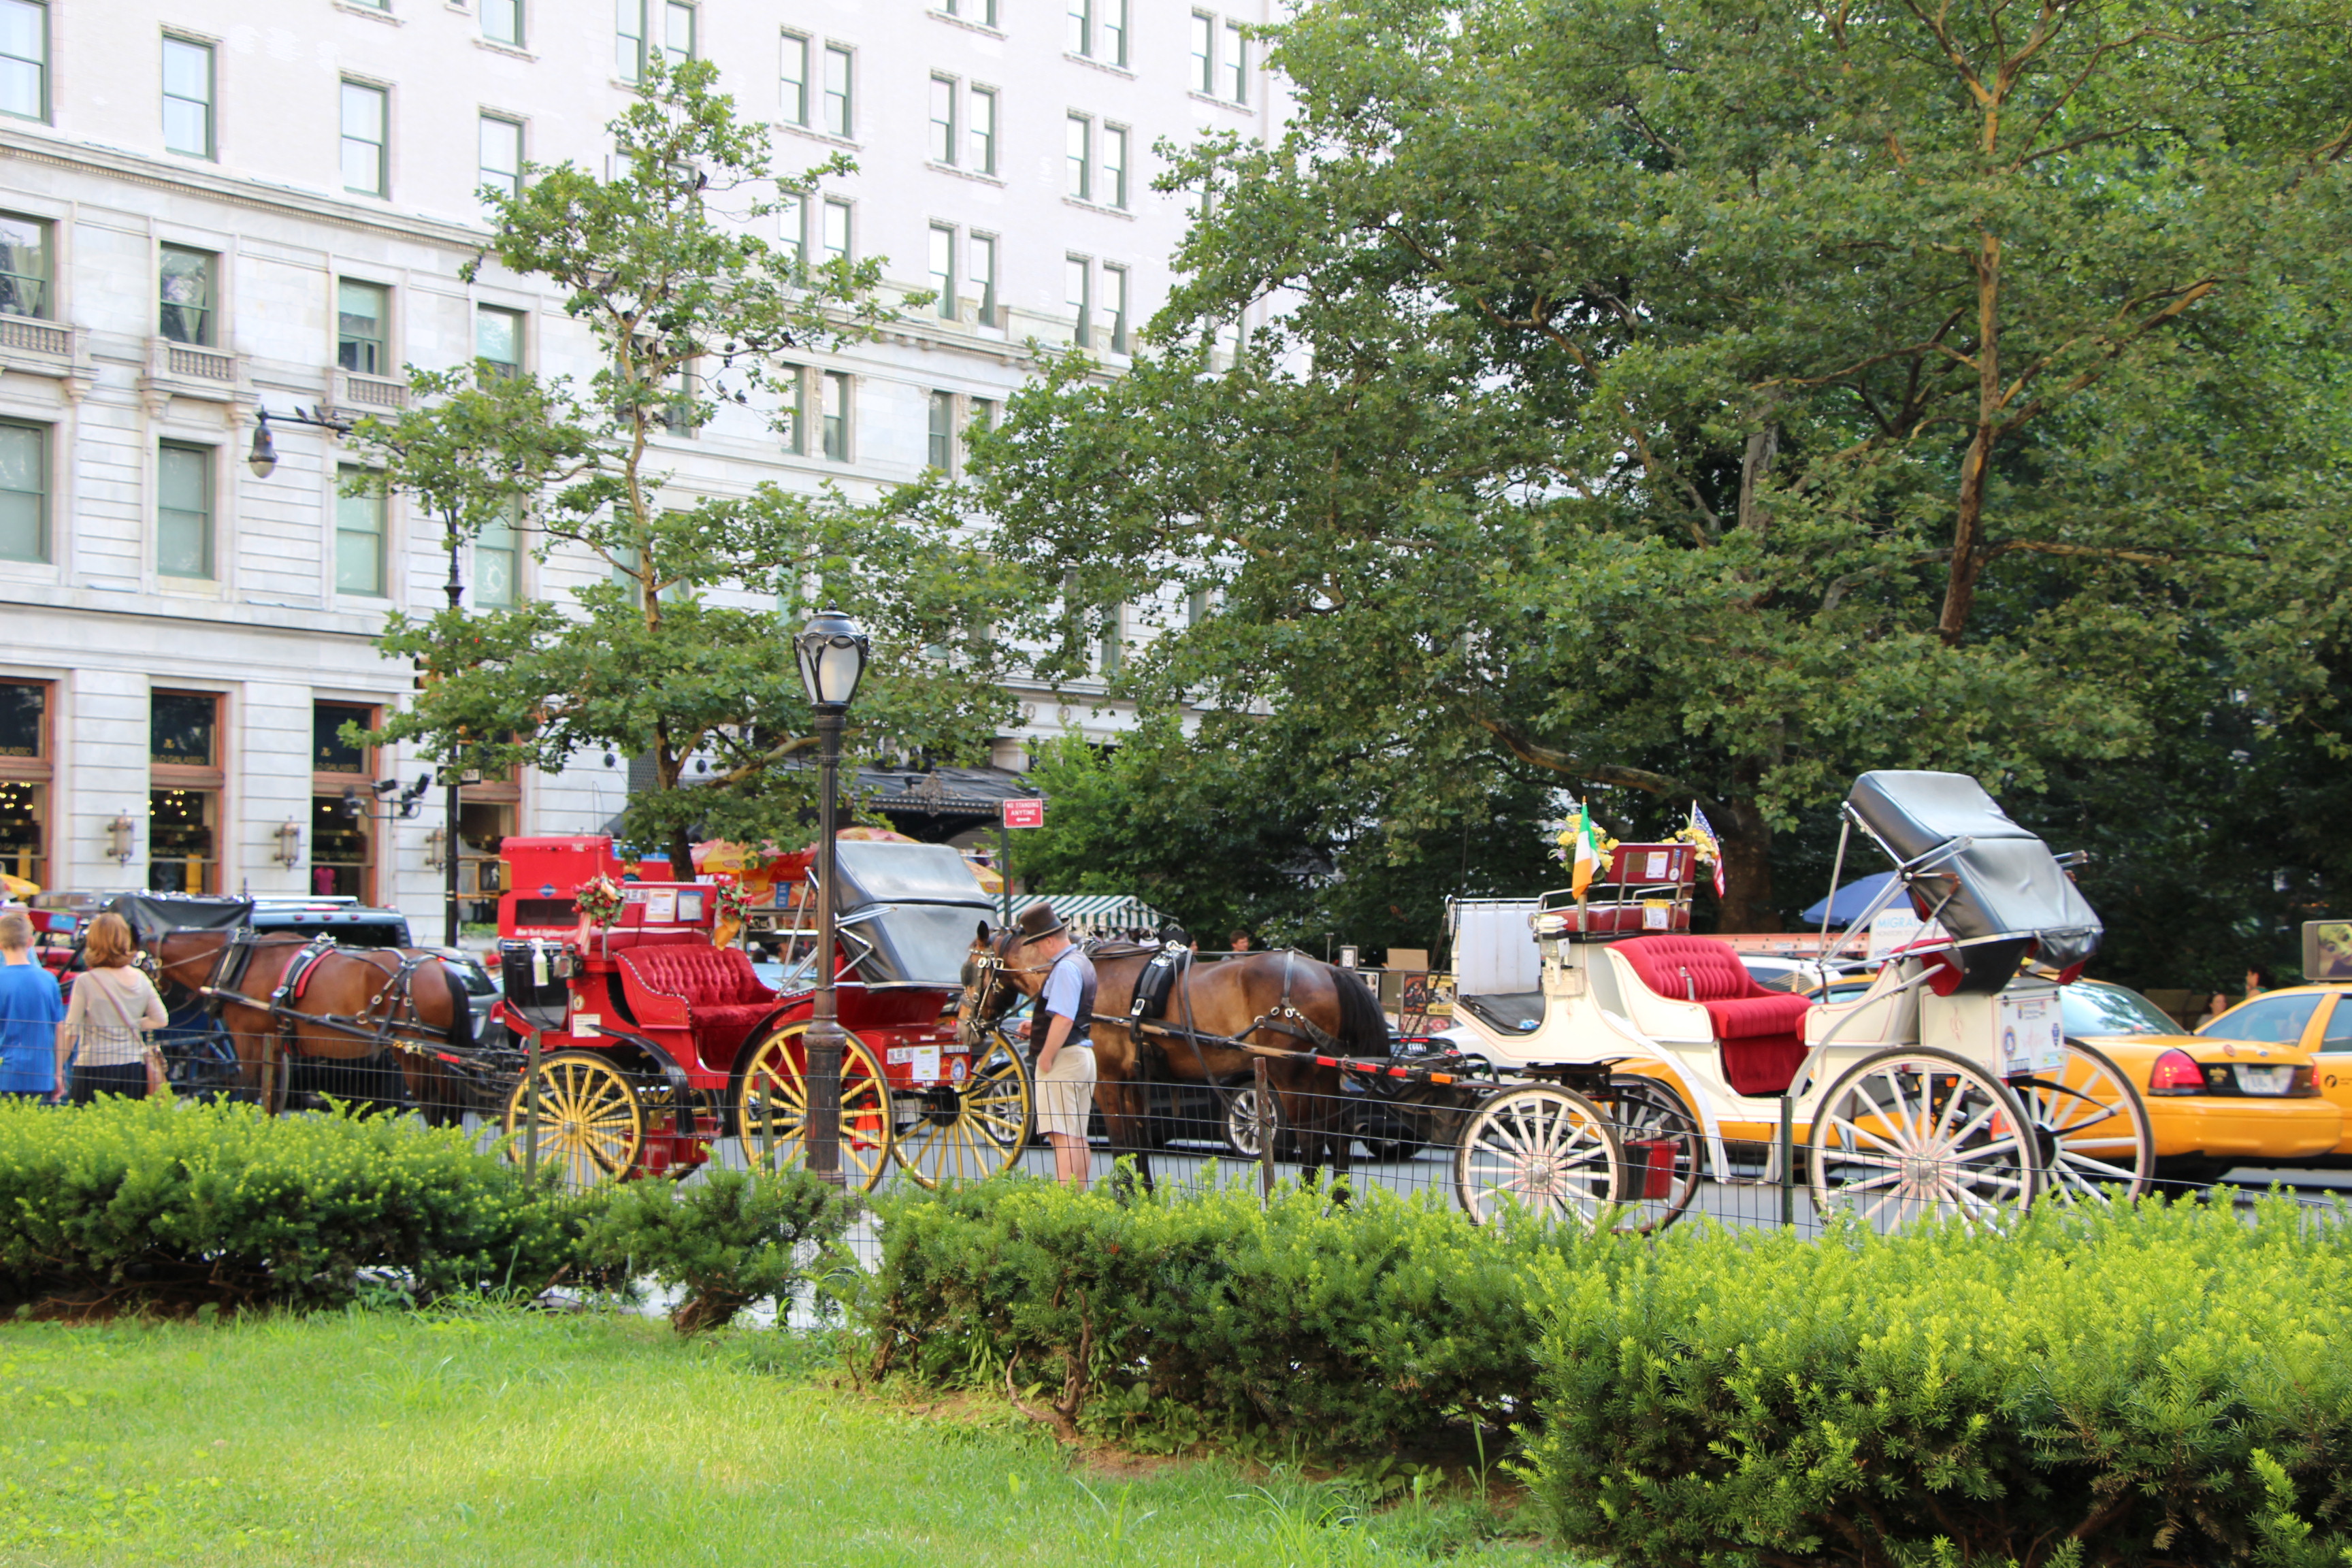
<point>771,1116</point>
<point>970,1131</point>
<point>591,1121</point>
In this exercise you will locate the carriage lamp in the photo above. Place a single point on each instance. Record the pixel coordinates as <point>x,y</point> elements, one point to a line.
<point>289,844</point>
<point>122,838</point>
<point>432,843</point>
<point>831,652</point>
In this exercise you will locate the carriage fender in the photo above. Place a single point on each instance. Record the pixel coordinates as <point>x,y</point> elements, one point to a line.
<point>663,1062</point>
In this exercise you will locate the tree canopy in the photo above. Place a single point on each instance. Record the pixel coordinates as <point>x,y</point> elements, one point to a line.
<point>681,651</point>
<point>1708,400</point>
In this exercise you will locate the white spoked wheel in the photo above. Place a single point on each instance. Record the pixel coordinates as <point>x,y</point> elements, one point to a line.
<point>1544,1149</point>
<point>1664,1153</point>
<point>2091,1126</point>
<point>1917,1133</point>
<point>1241,1132</point>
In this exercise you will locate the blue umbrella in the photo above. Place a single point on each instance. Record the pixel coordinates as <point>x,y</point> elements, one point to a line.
<point>1848,902</point>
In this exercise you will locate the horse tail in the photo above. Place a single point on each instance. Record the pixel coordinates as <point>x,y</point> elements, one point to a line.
<point>1363,1027</point>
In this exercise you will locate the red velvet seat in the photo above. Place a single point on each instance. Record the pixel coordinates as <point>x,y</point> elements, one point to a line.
<point>719,995</point>
<point>1761,1031</point>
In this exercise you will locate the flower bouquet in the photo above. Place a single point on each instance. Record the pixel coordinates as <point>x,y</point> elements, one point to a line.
<point>732,901</point>
<point>599,900</point>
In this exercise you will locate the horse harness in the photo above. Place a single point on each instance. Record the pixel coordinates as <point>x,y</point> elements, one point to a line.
<point>389,1018</point>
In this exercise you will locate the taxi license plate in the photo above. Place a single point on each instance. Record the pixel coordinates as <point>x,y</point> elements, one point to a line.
<point>2264,1080</point>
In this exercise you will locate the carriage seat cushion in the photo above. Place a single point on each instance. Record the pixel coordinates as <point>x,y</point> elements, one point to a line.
<point>724,996</point>
<point>1761,1030</point>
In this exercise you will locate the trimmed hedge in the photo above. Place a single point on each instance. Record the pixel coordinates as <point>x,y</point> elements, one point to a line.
<point>1363,1328</point>
<point>732,1240</point>
<point>160,1201</point>
<point>2169,1386</point>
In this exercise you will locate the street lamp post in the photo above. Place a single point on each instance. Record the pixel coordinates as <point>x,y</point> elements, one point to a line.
<point>453,776</point>
<point>831,652</point>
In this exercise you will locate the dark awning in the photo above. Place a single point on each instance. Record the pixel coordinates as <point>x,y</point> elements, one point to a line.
<point>2003,882</point>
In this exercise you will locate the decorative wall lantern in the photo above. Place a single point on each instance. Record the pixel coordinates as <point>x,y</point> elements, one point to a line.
<point>289,844</point>
<point>433,841</point>
<point>122,838</point>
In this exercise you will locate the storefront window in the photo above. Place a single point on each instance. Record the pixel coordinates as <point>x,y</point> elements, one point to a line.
<point>23,808</point>
<point>341,849</point>
<point>24,780</point>
<point>483,828</point>
<point>180,727</point>
<point>342,845</point>
<point>182,855</point>
<point>330,752</point>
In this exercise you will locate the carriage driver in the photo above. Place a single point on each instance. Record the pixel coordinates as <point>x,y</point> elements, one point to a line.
<point>1065,1055</point>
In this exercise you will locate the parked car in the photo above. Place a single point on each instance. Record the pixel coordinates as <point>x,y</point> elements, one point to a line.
<point>2313,1018</point>
<point>2216,1098</point>
<point>481,989</point>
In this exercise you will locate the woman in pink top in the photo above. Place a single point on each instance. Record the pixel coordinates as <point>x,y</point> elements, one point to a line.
<point>113,1007</point>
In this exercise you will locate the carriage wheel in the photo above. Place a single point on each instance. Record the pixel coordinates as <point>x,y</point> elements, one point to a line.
<point>771,1116</point>
<point>2097,1143</point>
<point>970,1131</point>
<point>1653,1120</point>
<point>1546,1149</point>
<point>591,1122</point>
<point>1915,1133</point>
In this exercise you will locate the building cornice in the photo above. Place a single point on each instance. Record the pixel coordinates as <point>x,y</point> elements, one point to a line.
<point>246,614</point>
<point>87,158</point>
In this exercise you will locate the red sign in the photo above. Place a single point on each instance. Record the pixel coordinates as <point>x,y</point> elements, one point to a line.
<point>1024,814</point>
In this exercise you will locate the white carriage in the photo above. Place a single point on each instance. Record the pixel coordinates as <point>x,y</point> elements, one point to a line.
<point>1941,1084</point>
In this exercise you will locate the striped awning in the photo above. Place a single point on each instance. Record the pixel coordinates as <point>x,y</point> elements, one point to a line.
<point>1096,912</point>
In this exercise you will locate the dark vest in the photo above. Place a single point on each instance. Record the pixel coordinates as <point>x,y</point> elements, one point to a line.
<point>1082,1025</point>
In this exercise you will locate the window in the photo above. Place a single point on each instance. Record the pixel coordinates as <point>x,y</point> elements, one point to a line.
<point>359,540</point>
<point>682,410</point>
<point>187,315</point>
<point>183,512</point>
<point>940,453</point>
<point>1205,52</point>
<point>980,271</point>
<point>2336,1038</point>
<point>188,96</point>
<point>24,58</point>
<point>943,120</point>
<point>1114,303</point>
<point>501,155</point>
<point>795,427</point>
<point>980,11</point>
<point>1114,641</point>
<point>25,775</point>
<point>980,117</point>
<point>341,859</point>
<point>643,27</point>
<point>835,238</point>
<point>1236,64</point>
<point>498,338</point>
<point>502,21</point>
<point>1081,36</point>
<point>365,122</point>
<point>2275,1020</point>
<point>943,270</point>
<point>24,492</point>
<point>793,80</point>
<point>24,267</point>
<point>791,231</point>
<point>983,417</point>
<point>362,327</point>
<point>1078,294</point>
<point>330,752</point>
<point>1114,164</point>
<point>1076,142</point>
<point>835,413</point>
<point>498,563</point>
<point>837,106</point>
<point>184,779</point>
<point>1110,32</point>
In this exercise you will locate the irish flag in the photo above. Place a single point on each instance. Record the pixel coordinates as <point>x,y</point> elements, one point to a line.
<point>1585,860</point>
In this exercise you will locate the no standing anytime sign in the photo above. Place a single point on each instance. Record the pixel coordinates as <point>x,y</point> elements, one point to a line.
<point>1024,814</point>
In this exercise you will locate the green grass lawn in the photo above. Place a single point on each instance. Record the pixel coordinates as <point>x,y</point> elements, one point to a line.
<point>512,1439</point>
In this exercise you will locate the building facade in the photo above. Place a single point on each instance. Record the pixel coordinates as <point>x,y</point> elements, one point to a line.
<point>207,212</point>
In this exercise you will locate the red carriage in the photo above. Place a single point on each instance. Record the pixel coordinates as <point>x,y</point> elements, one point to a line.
<point>656,1041</point>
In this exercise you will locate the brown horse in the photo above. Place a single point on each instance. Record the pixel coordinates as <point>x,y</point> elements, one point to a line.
<point>1277,1000</point>
<point>385,995</point>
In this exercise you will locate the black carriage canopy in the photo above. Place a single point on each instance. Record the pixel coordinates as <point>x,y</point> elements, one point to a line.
<point>2003,883</point>
<point>913,906</point>
<point>155,915</point>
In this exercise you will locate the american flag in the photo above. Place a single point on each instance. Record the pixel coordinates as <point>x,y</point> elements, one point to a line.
<point>1714,845</point>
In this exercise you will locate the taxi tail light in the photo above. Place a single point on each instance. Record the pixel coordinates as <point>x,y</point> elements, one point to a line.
<point>2303,1084</point>
<point>2176,1072</point>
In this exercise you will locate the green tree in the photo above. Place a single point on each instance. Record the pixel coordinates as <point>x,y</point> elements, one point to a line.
<point>681,652</point>
<point>1705,401</point>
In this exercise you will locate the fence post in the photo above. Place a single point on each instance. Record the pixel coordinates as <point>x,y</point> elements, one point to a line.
<point>530,1106</point>
<point>1265,1131</point>
<point>1788,1162</point>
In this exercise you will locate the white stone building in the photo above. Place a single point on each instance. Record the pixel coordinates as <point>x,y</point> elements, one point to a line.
<point>207,210</point>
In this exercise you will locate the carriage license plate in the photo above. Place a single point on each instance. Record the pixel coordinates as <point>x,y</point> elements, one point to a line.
<point>2264,1080</point>
<point>921,1062</point>
<point>2033,1037</point>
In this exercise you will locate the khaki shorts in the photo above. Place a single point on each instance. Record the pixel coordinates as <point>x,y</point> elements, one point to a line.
<point>1067,1094</point>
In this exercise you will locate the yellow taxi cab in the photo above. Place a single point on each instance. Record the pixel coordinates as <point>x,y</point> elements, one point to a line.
<point>2217,1099</point>
<point>2314,1019</point>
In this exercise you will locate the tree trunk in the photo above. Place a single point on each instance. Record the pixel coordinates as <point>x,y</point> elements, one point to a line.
<point>1746,842</point>
<point>1968,520</point>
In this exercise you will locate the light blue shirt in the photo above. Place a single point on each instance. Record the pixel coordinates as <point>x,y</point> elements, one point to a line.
<point>1066,984</point>
<point>30,1011</point>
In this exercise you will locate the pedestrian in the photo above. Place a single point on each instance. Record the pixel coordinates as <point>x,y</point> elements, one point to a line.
<point>2214,1007</point>
<point>113,1005</point>
<point>1239,942</point>
<point>32,1015</point>
<point>1060,1028</point>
